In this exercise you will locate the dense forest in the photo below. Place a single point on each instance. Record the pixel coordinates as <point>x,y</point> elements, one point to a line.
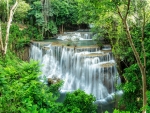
<point>125,24</point>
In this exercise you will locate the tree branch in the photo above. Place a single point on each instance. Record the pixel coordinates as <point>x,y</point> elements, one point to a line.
<point>119,12</point>
<point>128,8</point>
<point>142,43</point>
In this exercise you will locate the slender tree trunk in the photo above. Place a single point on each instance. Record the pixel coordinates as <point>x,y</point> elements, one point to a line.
<point>62,28</point>
<point>144,64</point>
<point>141,66</point>
<point>136,54</point>
<point>1,41</point>
<point>12,11</point>
<point>144,90</point>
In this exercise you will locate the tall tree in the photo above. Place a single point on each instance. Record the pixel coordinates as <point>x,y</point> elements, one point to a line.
<point>141,62</point>
<point>5,44</point>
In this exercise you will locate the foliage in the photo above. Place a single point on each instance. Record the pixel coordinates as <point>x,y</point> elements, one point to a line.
<point>37,19</point>
<point>88,12</point>
<point>64,12</point>
<point>54,88</point>
<point>132,89</point>
<point>35,14</point>
<point>48,18</point>
<point>21,11</point>
<point>21,43</point>
<point>98,40</point>
<point>60,11</point>
<point>33,33</point>
<point>18,40</point>
<point>118,111</point>
<point>3,10</point>
<point>132,97</point>
<point>20,37</point>
<point>23,91</point>
<point>52,27</point>
<point>73,12</point>
<point>79,102</point>
<point>100,36</point>
<point>148,98</point>
<point>3,6</point>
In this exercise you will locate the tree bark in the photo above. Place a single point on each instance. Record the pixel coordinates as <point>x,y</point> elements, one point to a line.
<point>62,28</point>
<point>1,40</point>
<point>12,11</point>
<point>144,65</point>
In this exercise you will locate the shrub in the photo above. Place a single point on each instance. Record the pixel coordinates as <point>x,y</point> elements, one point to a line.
<point>79,102</point>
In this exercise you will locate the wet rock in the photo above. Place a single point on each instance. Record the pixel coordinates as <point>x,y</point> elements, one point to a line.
<point>53,80</point>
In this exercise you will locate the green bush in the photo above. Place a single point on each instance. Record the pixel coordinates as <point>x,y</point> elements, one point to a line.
<point>33,33</point>
<point>22,92</point>
<point>79,102</point>
<point>118,111</point>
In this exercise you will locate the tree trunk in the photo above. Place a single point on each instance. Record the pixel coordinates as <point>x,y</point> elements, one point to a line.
<point>141,66</point>
<point>1,41</point>
<point>12,11</point>
<point>62,28</point>
<point>144,90</point>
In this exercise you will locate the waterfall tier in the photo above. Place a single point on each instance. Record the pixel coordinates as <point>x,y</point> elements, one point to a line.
<point>75,36</point>
<point>80,67</point>
<point>86,68</point>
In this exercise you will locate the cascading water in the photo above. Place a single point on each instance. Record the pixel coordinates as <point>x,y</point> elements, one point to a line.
<point>80,67</point>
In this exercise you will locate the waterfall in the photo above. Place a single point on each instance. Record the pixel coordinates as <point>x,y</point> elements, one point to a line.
<point>80,67</point>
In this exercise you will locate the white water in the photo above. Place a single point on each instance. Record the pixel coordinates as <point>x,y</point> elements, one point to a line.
<point>75,36</point>
<point>85,68</point>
